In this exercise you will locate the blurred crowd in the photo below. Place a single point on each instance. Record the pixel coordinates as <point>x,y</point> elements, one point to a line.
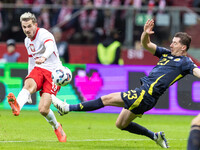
<point>78,25</point>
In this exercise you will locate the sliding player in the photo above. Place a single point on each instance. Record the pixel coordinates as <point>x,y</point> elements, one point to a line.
<point>172,66</point>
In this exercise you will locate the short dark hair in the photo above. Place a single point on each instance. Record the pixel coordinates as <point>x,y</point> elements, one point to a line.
<point>185,39</point>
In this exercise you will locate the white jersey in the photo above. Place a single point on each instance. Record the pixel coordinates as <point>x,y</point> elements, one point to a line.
<point>36,49</point>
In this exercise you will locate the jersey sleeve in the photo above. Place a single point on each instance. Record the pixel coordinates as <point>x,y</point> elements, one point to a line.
<point>160,51</point>
<point>49,45</point>
<point>46,36</point>
<point>48,41</point>
<point>31,64</point>
<point>31,61</point>
<point>188,65</point>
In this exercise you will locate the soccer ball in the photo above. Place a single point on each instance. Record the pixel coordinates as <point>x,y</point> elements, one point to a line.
<point>61,76</point>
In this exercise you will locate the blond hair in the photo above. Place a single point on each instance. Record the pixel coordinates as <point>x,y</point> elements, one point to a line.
<point>28,16</point>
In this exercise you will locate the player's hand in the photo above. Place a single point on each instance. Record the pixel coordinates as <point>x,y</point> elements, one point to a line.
<point>148,27</point>
<point>40,60</point>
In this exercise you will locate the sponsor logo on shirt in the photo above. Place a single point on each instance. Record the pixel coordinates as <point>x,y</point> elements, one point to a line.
<point>170,57</point>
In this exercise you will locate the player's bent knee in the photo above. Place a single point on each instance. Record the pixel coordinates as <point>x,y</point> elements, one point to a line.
<point>120,125</point>
<point>113,99</point>
<point>106,100</point>
<point>196,121</point>
<point>43,111</point>
<point>30,85</point>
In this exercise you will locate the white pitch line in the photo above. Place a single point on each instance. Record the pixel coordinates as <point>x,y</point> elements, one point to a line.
<point>86,140</point>
<point>91,140</point>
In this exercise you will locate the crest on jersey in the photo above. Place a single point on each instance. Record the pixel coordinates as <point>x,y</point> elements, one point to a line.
<point>177,59</point>
<point>32,47</point>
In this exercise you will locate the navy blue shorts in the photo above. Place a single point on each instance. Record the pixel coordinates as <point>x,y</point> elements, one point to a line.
<point>138,101</point>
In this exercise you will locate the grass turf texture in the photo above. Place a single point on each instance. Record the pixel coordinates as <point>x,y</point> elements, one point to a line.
<point>88,131</point>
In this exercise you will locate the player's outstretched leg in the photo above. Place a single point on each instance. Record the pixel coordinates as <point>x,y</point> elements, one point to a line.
<point>13,104</point>
<point>63,107</point>
<point>161,140</point>
<point>60,134</point>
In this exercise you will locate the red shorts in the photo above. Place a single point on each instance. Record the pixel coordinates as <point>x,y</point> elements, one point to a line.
<point>43,80</point>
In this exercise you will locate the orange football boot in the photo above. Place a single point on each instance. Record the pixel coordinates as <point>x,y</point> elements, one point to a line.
<point>60,134</point>
<point>13,104</point>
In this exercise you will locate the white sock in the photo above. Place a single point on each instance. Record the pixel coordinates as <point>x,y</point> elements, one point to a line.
<point>52,119</point>
<point>155,137</point>
<point>22,97</point>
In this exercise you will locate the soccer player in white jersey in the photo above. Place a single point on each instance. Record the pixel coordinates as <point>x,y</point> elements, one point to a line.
<point>43,59</point>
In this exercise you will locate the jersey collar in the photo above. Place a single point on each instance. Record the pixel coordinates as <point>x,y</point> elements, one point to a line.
<point>35,34</point>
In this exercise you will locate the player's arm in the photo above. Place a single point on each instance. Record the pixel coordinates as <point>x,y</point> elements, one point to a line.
<point>145,37</point>
<point>49,45</point>
<point>31,60</point>
<point>31,63</point>
<point>196,72</point>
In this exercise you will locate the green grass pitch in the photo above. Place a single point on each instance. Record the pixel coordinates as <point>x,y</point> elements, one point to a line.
<point>88,131</point>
